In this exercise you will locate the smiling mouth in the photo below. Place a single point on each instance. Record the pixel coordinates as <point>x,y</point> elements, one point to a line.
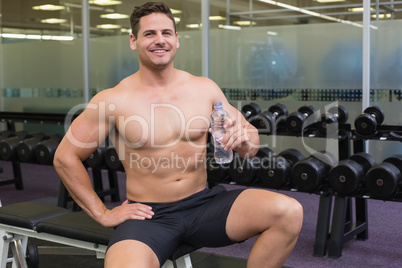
<point>159,51</point>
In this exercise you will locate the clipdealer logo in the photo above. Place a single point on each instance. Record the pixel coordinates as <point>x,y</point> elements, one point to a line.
<point>148,132</point>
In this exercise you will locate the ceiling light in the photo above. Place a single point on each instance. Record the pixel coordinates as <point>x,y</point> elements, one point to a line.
<point>114,16</point>
<point>193,26</point>
<point>229,27</point>
<point>105,2</point>
<point>358,9</point>
<point>381,16</point>
<point>34,36</point>
<point>38,37</point>
<point>329,1</point>
<point>62,38</point>
<point>16,36</point>
<point>315,14</point>
<point>272,33</point>
<point>177,20</point>
<point>48,7</point>
<point>125,30</point>
<point>108,26</point>
<point>53,20</point>
<point>244,22</point>
<point>175,11</point>
<point>217,18</point>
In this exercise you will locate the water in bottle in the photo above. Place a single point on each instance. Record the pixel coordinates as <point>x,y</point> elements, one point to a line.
<point>218,117</point>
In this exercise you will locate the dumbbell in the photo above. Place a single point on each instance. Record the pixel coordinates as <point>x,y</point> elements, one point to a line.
<point>368,122</point>
<point>384,179</point>
<point>46,149</point>
<point>97,158</point>
<point>8,145</point>
<point>349,175</point>
<point>267,120</point>
<point>26,148</point>
<point>296,120</point>
<point>310,172</point>
<point>6,134</point>
<point>245,171</point>
<point>250,110</point>
<point>112,159</point>
<point>276,171</point>
<point>330,121</point>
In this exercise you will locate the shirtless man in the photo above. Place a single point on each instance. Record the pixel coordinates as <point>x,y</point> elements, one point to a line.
<point>160,117</point>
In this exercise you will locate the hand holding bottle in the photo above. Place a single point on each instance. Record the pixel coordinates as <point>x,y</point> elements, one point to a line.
<point>236,136</point>
<point>219,123</point>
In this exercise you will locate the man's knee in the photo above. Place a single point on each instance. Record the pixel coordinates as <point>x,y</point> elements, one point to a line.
<point>291,216</point>
<point>267,210</point>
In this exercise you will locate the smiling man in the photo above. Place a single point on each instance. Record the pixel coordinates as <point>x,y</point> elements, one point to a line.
<point>158,120</point>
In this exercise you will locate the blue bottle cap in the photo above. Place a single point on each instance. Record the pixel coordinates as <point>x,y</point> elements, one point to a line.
<point>217,104</point>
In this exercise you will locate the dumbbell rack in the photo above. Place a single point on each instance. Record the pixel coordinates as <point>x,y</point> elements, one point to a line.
<point>344,136</point>
<point>10,118</point>
<point>342,229</point>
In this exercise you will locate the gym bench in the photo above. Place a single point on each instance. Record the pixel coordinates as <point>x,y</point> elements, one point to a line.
<point>77,230</point>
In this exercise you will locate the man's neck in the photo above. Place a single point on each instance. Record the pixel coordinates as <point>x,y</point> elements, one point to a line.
<point>157,77</point>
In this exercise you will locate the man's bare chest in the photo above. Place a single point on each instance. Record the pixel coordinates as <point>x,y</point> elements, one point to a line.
<point>162,124</point>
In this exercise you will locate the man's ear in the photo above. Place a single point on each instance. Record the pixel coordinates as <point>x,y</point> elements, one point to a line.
<point>133,42</point>
<point>177,39</point>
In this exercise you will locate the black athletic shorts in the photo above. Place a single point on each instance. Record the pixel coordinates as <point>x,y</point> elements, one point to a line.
<point>198,220</point>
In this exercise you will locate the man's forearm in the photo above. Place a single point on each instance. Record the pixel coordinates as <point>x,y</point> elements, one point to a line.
<point>250,147</point>
<point>78,183</point>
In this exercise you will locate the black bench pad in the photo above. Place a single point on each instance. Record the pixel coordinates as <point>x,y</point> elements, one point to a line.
<point>76,225</point>
<point>61,222</point>
<point>182,250</point>
<point>28,215</point>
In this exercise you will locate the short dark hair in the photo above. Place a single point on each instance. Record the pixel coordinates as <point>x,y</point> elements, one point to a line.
<point>147,9</point>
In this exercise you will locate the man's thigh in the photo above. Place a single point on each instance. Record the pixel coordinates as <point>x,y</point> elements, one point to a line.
<point>130,253</point>
<point>160,235</point>
<point>206,224</point>
<point>253,212</point>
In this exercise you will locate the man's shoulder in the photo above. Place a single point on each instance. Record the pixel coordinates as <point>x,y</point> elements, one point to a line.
<point>108,96</point>
<point>193,78</point>
<point>122,86</point>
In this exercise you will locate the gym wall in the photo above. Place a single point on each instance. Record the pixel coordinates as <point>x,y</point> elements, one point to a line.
<point>315,64</point>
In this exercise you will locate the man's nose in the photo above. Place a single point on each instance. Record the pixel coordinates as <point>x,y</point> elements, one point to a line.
<point>160,39</point>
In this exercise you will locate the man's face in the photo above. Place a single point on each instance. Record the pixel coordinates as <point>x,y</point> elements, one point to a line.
<point>156,42</point>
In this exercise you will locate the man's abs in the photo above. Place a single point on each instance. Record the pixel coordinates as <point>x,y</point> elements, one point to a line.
<point>164,189</point>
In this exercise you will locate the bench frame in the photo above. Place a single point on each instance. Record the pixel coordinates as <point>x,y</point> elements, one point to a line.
<point>16,239</point>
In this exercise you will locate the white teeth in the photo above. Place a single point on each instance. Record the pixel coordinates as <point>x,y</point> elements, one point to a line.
<point>159,51</point>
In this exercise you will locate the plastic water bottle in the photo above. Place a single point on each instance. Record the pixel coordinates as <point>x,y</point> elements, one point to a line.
<point>218,117</point>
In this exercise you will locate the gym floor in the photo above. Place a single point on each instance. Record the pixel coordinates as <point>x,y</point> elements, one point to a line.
<point>381,249</point>
<point>71,260</point>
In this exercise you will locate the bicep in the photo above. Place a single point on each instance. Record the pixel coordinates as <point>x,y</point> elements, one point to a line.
<point>86,133</point>
<point>235,113</point>
<point>217,95</point>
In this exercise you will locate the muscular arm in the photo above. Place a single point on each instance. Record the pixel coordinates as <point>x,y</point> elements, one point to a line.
<point>81,139</point>
<point>85,134</point>
<point>242,137</point>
